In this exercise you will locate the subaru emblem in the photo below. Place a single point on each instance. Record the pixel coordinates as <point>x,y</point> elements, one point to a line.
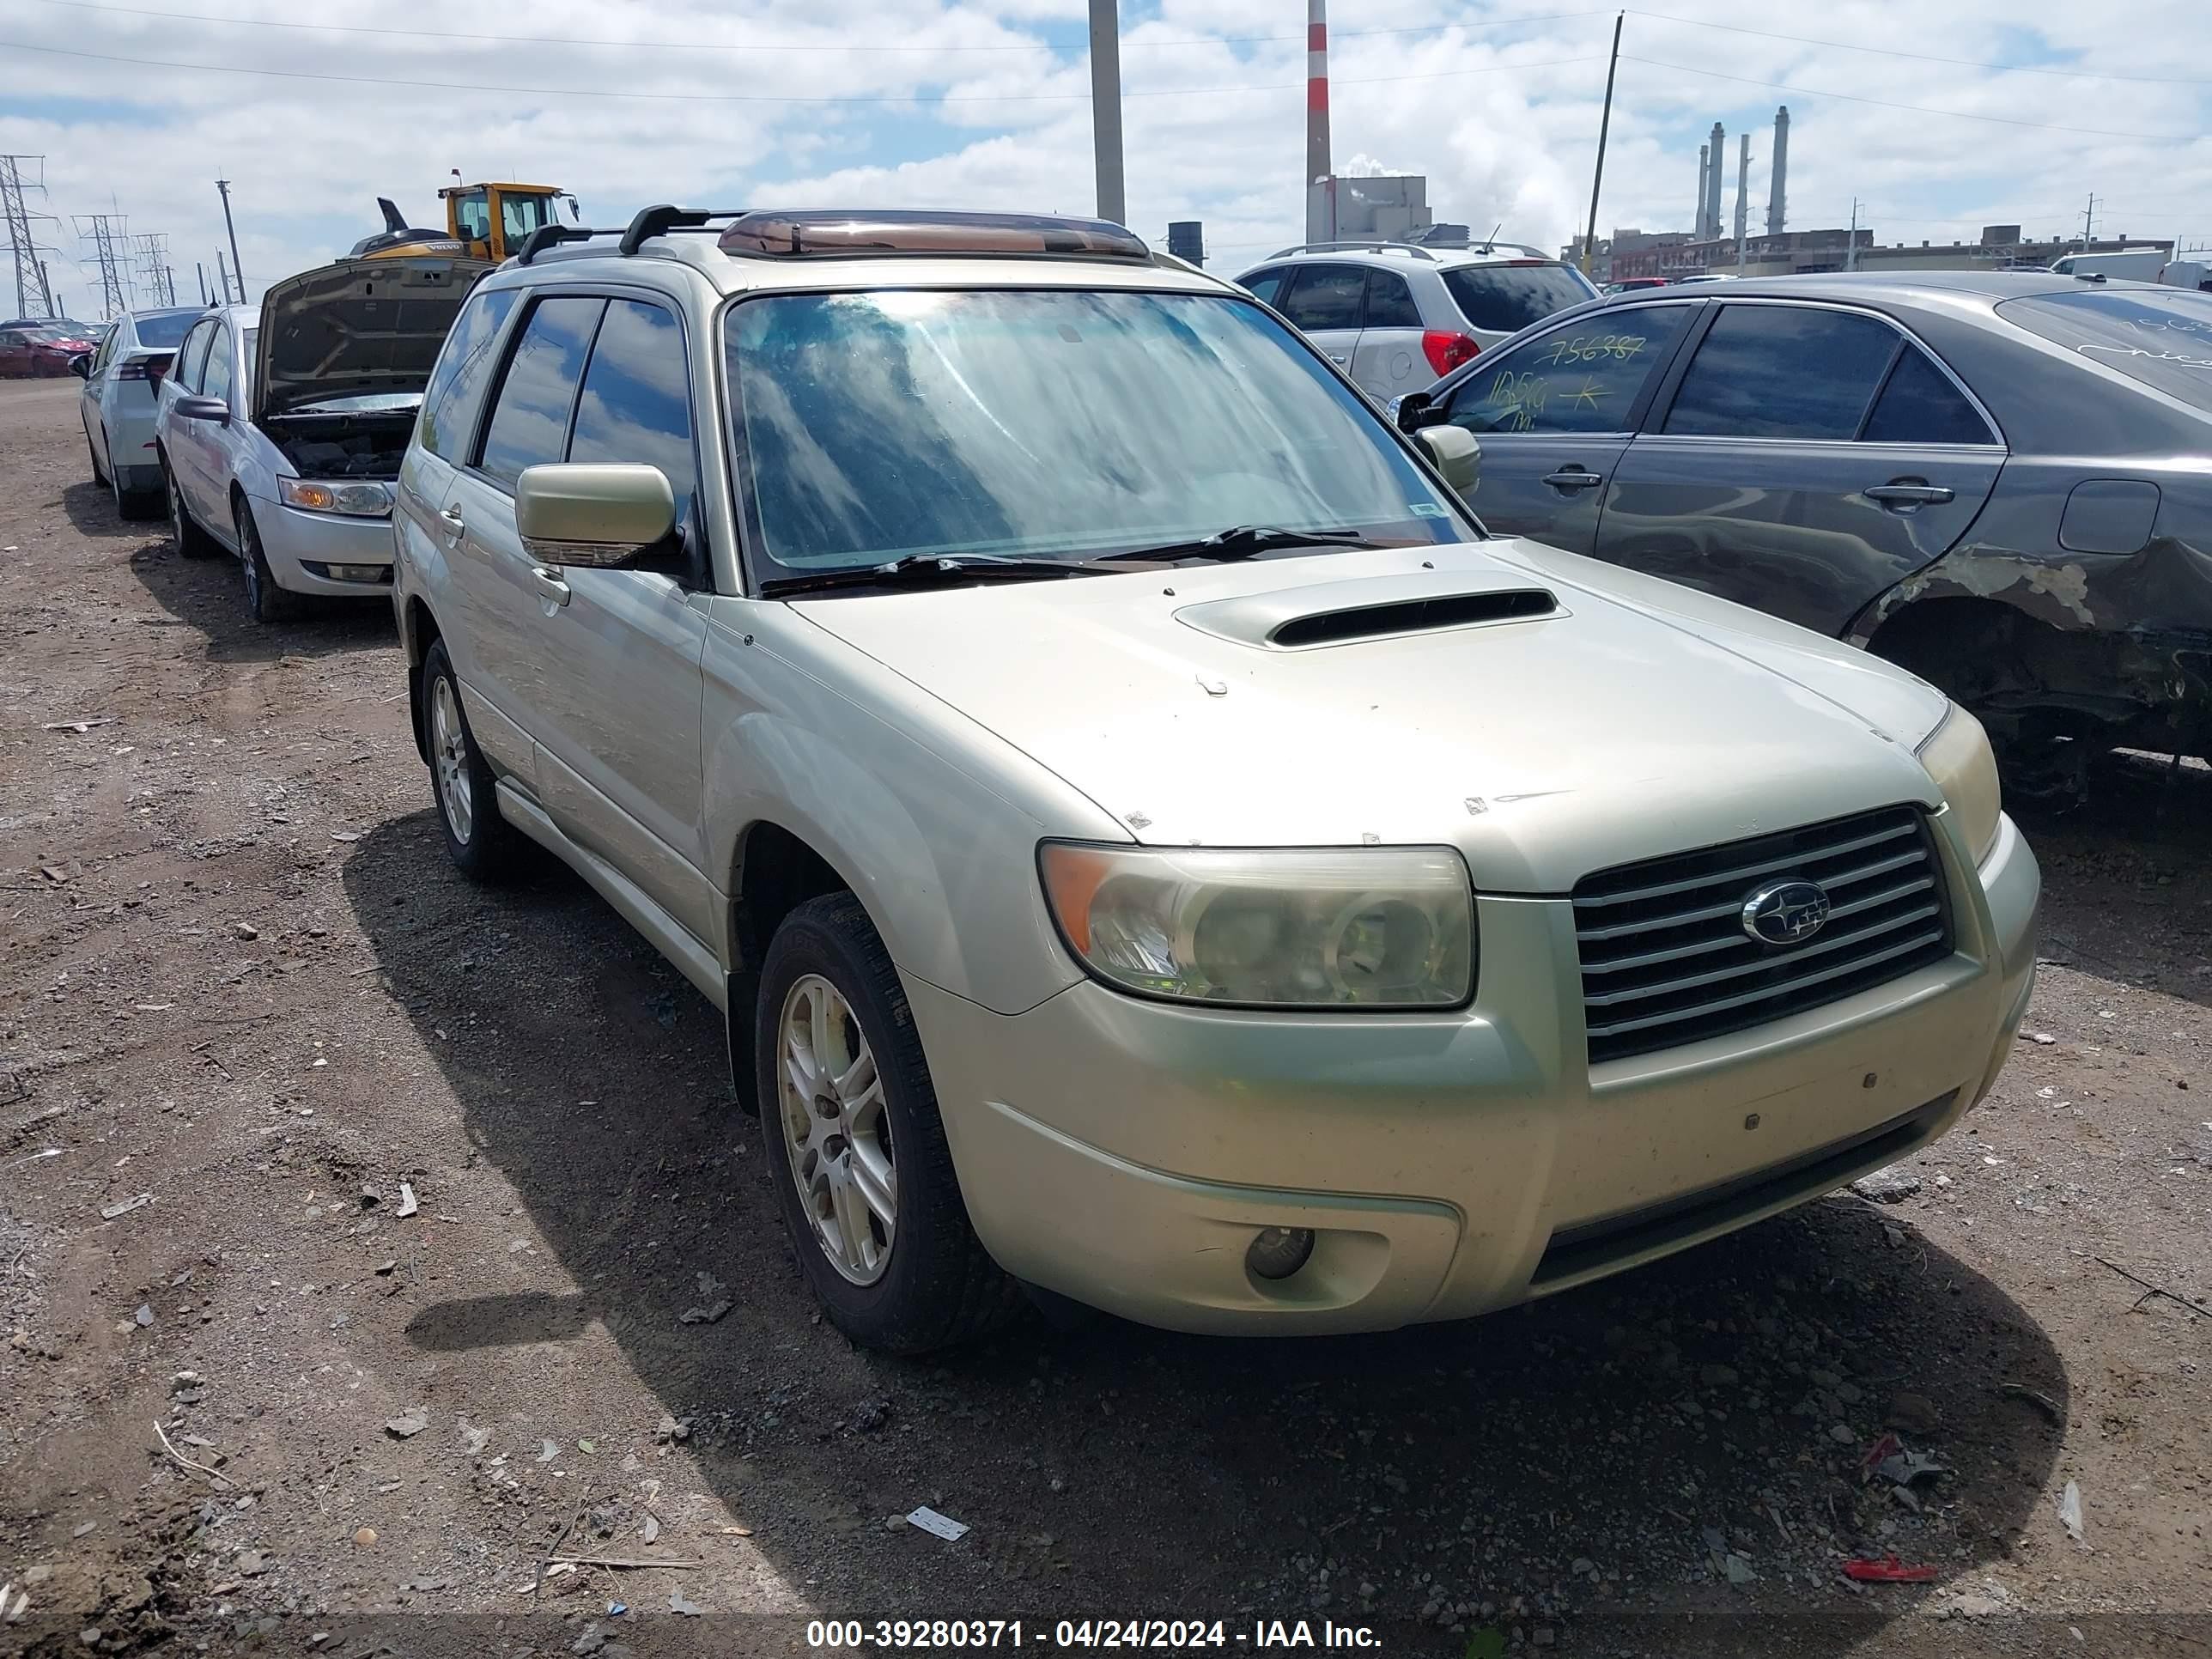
<point>1786,912</point>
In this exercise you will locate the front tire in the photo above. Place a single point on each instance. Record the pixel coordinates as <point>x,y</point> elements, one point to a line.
<point>482,844</point>
<point>268,602</point>
<point>856,1149</point>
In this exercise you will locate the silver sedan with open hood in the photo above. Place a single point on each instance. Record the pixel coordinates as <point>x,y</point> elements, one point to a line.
<point>1149,844</point>
<point>280,426</point>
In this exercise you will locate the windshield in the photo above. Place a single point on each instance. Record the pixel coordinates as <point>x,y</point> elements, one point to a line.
<point>164,330</point>
<point>2163,339</point>
<point>1506,299</point>
<point>1048,424</point>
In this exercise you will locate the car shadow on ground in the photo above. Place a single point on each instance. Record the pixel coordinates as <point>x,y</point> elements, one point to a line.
<point>91,510</point>
<point>2145,831</point>
<point>210,594</point>
<point>1586,1455</point>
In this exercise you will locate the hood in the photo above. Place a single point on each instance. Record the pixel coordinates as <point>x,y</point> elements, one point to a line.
<point>1523,707</point>
<point>358,327</point>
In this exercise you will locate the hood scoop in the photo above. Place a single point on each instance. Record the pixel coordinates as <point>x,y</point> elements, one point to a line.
<point>1372,608</point>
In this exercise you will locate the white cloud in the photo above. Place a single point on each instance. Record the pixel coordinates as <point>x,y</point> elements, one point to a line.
<point>1504,120</point>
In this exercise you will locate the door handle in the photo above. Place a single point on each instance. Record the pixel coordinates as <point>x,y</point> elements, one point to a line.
<point>1573,479</point>
<point>1902,497</point>
<point>1339,357</point>
<point>550,588</point>
<point>455,525</point>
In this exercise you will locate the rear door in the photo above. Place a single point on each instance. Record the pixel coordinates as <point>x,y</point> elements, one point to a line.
<point>1327,302</point>
<point>1388,360</point>
<point>1810,458</point>
<point>1555,413</point>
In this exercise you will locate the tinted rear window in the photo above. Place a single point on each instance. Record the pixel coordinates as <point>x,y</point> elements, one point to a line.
<point>1770,371</point>
<point>1506,299</point>
<point>2162,339</point>
<point>163,331</point>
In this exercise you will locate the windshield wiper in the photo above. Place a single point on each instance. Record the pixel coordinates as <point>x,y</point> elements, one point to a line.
<point>929,570</point>
<point>1244,541</point>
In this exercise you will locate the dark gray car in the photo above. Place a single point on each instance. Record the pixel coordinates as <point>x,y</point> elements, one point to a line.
<point>2001,480</point>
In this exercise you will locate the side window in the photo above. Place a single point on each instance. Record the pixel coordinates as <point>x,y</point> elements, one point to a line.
<point>636,405</point>
<point>1267,285</point>
<point>1920,406</point>
<point>529,417</point>
<point>1583,377</point>
<point>1390,302</point>
<point>219,377</point>
<point>449,402</point>
<point>105,353</point>
<point>1325,297</point>
<point>473,214</point>
<point>192,359</point>
<point>1783,372</point>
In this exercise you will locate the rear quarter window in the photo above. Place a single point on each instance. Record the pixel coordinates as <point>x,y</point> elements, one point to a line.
<point>1506,299</point>
<point>2163,340</point>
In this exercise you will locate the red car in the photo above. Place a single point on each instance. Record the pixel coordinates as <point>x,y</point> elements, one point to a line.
<point>43,346</point>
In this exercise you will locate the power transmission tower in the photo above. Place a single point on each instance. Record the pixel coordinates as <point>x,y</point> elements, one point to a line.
<point>19,174</point>
<point>109,235</point>
<point>152,249</point>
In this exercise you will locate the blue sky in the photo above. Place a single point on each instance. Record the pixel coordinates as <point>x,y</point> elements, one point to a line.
<point>923,102</point>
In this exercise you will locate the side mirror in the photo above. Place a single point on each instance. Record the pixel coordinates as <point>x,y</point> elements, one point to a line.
<point>201,409</point>
<point>1413,411</point>
<point>1453,452</point>
<point>81,365</point>
<point>591,514</point>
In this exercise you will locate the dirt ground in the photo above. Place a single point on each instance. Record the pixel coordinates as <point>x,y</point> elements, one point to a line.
<point>244,991</point>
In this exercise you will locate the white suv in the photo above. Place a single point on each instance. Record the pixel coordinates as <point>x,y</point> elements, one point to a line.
<point>1400,316</point>
<point>1149,843</point>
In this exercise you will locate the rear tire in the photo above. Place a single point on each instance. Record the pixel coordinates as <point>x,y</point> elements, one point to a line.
<point>130,503</point>
<point>193,542</point>
<point>838,1130</point>
<point>482,844</point>
<point>268,602</point>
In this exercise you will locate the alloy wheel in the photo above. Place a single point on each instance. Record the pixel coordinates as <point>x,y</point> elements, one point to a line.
<point>449,755</point>
<point>836,1129</point>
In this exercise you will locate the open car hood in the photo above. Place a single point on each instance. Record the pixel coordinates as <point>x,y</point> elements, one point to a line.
<point>355,328</point>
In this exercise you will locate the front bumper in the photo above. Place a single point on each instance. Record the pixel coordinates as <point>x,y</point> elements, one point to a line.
<point>303,547</point>
<point>1124,1152</point>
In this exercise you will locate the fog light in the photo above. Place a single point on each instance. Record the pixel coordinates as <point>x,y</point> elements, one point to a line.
<point>360,573</point>
<point>1278,1252</point>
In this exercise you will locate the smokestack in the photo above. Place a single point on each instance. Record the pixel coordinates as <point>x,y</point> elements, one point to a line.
<point>1779,172</point>
<point>1704,163</point>
<point>1712,228</point>
<point>1321,182</point>
<point>1743,196</point>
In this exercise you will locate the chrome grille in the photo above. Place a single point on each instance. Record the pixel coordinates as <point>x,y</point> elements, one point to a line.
<point>1665,959</point>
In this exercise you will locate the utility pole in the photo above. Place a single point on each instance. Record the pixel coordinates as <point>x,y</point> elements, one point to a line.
<point>1851,246</point>
<point>239,269</point>
<point>1604,128</point>
<point>46,290</point>
<point>1105,110</point>
<point>223,279</point>
<point>199,269</point>
<point>109,235</point>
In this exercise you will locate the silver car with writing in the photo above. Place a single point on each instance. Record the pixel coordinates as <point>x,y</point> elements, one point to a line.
<point>1150,844</point>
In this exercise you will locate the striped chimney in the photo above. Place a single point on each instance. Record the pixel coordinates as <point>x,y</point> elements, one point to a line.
<point>1320,185</point>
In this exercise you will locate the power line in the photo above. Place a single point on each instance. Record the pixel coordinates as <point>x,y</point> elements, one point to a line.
<point>1883,103</point>
<point>773,98</point>
<point>1029,46</point>
<point>1920,57</point>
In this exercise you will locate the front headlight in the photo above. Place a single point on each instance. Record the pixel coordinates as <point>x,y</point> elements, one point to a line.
<point>1957,756</point>
<point>1366,929</point>
<point>353,498</point>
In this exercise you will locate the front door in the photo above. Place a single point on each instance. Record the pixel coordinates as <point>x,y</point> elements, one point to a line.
<point>1554,415</point>
<point>1811,459</point>
<point>620,766</point>
<point>1327,302</point>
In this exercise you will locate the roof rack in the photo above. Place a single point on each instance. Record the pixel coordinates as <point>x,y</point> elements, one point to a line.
<point>648,223</point>
<point>842,233</point>
<point>1372,245</point>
